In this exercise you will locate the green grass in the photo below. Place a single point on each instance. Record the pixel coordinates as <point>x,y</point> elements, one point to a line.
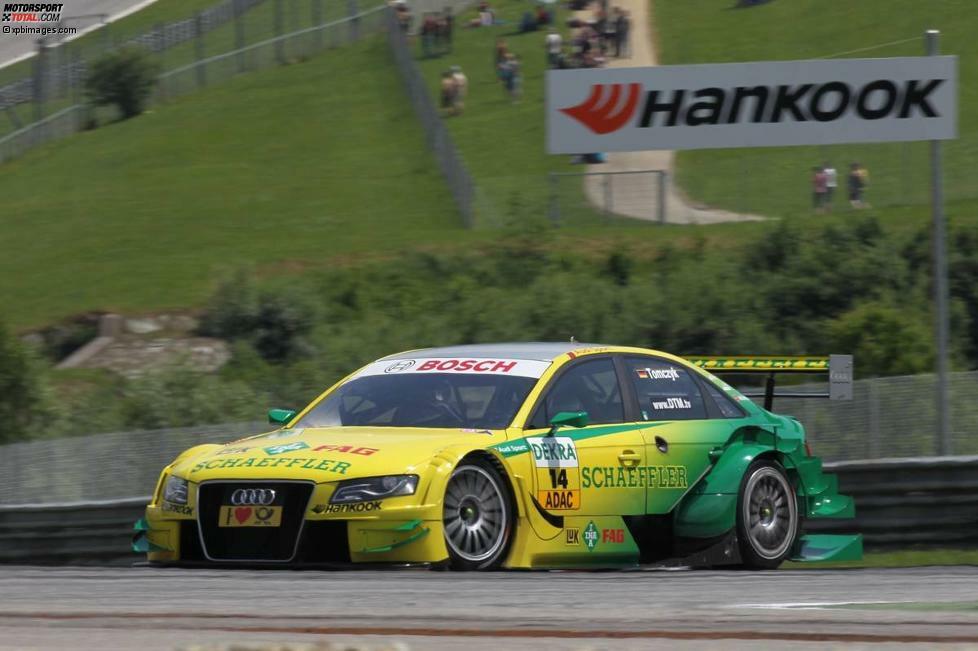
<point>775,181</point>
<point>308,164</point>
<point>900,558</point>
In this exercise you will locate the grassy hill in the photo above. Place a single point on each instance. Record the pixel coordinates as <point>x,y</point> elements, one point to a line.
<point>776,180</point>
<point>322,163</point>
<point>309,164</point>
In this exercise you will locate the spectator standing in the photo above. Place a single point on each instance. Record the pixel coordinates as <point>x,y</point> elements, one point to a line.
<point>448,25</point>
<point>448,91</point>
<point>511,76</point>
<point>429,28</point>
<point>819,189</point>
<point>622,45</point>
<point>610,33</point>
<point>499,56</point>
<point>857,181</point>
<point>461,89</point>
<point>831,183</point>
<point>554,45</point>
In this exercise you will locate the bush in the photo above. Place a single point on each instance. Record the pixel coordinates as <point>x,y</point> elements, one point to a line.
<point>124,78</point>
<point>19,389</point>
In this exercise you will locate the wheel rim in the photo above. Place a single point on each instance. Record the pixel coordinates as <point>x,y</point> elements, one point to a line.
<point>770,513</point>
<point>475,515</point>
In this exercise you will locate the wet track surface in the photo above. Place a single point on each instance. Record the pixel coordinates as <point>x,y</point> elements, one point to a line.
<point>151,609</point>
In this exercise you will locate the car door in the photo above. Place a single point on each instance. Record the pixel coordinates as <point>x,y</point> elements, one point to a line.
<point>683,424</point>
<point>590,470</point>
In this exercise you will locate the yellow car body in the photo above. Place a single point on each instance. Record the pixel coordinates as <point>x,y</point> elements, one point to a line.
<point>608,494</point>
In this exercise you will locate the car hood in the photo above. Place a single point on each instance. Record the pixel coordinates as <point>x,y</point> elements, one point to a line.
<point>325,454</point>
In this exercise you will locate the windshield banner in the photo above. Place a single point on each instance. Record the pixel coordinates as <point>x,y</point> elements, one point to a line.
<point>760,104</point>
<point>515,367</point>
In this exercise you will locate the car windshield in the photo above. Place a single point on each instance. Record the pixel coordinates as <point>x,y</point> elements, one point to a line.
<point>456,400</point>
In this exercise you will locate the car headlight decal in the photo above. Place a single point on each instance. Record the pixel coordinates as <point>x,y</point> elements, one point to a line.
<point>175,490</point>
<point>374,488</point>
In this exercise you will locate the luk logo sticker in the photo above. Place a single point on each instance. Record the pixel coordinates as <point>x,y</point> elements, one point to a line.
<point>591,536</point>
<point>572,536</point>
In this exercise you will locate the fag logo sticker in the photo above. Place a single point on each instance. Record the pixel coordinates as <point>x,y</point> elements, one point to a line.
<point>591,536</point>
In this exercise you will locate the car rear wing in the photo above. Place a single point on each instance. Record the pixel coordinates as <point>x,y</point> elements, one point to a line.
<point>838,368</point>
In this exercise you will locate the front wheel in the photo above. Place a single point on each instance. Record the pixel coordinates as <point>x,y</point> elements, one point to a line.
<point>478,517</point>
<point>767,516</point>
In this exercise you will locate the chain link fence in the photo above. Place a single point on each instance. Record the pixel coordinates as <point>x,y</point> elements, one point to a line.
<point>639,194</point>
<point>888,417</point>
<point>101,466</point>
<point>460,182</point>
<point>234,37</point>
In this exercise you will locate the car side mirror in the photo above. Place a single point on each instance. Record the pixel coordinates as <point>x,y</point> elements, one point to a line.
<point>280,416</point>
<point>568,418</point>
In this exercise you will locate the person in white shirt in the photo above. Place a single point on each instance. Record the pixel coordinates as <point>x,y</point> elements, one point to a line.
<point>831,183</point>
<point>554,45</point>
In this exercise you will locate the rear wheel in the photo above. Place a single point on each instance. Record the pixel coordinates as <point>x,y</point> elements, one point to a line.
<point>767,516</point>
<point>478,517</point>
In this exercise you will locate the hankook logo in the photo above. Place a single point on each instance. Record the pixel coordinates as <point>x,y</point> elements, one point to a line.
<point>605,112</point>
<point>751,104</point>
<point>608,108</point>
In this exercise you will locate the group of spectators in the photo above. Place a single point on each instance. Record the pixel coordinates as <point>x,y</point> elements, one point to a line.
<point>592,41</point>
<point>436,33</point>
<point>825,181</point>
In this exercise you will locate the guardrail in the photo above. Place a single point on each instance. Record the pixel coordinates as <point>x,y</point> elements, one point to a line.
<point>899,503</point>
<point>70,533</point>
<point>929,502</point>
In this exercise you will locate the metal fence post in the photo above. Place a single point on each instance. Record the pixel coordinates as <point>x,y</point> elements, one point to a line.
<point>317,20</point>
<point>554,198</point>
<point>351,7</point>
<point>40,61</point>
<point>607,195</point>
<point>279,29</point>
<point>874,420</point>
<point>663,188</point>
<point>941,329</point>
<point>199,50</point>
<point>161,49</point>
<point>239,33</point>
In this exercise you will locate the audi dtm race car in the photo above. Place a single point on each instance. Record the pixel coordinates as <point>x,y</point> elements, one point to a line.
<point>549,455</point>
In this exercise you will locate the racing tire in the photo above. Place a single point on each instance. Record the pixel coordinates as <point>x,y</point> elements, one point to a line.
<point>478,516</point>
<point>768,521</point>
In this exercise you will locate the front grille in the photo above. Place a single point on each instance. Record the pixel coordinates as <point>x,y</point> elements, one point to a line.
<point>324,541</point>
<point>276,544</point>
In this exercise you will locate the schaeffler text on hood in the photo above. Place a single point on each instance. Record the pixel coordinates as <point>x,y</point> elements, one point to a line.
<point>752,104</point>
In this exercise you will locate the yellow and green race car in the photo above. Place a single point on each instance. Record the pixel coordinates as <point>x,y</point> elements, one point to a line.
<point>527,455</point>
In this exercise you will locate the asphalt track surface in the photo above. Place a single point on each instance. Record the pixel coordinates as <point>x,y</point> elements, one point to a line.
<point>166,609</point>
<point>14,48</point>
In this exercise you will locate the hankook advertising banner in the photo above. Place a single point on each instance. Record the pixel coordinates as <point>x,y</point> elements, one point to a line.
<point>763,104</point>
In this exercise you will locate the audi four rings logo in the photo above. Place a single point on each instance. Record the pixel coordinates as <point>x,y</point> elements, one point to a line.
<point>397,367</point>
<point>253,497</point>
<point>601,113</point>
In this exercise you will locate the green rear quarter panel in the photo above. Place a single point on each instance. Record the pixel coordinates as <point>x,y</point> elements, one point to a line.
<point>710,509</point>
